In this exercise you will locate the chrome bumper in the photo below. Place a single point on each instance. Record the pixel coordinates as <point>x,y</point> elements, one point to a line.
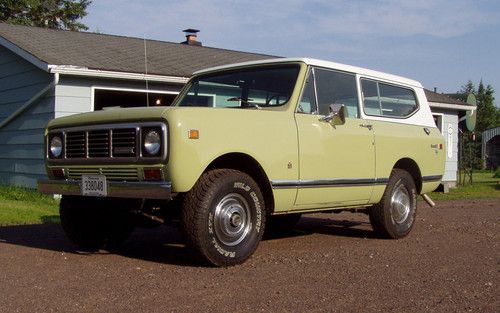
<point>141,190</point>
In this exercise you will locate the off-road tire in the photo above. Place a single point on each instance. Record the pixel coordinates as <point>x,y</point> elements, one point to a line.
<point>394,216</point>
<point>224,217</point>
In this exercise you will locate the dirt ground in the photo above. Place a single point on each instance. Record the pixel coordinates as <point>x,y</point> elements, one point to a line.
<point>450,262</point>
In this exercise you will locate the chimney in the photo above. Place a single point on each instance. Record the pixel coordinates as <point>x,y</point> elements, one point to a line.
<point>191,37</point>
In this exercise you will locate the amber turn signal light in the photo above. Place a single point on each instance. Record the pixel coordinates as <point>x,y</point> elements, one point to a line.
<point>194,134</point>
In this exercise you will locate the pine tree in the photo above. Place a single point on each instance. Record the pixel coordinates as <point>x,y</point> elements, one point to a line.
<point>488,116</point>
<point>56,14</point>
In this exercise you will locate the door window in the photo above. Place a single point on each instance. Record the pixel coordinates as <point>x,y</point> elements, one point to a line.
<point>324,87</point>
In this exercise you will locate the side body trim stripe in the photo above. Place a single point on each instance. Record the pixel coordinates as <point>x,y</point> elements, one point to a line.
<point>278,184</point>
<point>321,183</point>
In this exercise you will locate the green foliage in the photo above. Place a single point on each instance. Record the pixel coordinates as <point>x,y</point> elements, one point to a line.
<point>26,206</point>
<point>497,173</point>
<point>488,116</point>
<point>56,14</point>
<point>484,186</point>
<point>8,192</point>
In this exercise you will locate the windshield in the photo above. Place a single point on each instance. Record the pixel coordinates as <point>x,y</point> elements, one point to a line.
<point>252,87</point>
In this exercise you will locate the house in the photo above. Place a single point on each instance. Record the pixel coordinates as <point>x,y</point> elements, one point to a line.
<point>48,73</point>
<point>448,113</point>
<point>490,148</point>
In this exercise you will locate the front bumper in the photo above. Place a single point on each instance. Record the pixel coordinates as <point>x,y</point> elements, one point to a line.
<point>141,190</point>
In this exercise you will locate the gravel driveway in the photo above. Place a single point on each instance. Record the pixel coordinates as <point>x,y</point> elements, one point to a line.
<point>450,262</point>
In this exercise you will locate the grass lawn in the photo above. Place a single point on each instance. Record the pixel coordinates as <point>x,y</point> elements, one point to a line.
<point>484,186</point>
<point>26,206</point>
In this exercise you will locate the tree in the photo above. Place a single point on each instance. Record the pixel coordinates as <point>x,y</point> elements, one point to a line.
<point>56,14</point>
<point>488,116</point>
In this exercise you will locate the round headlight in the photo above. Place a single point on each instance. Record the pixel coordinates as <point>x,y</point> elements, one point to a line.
<point>56,146</point>
<point>152,142</point>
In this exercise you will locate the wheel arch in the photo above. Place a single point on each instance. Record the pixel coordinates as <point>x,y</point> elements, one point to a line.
<point>412,168</point>
<point>248,165</point>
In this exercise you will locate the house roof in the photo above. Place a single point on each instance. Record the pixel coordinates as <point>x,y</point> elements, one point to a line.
<point>116,53</point>
<point>442,98</point>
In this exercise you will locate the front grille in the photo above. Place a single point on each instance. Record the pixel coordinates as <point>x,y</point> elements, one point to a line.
<point>75,144</point>
<point>98,143</point>
<point>111,173</point>
<point>101,143</point>
<point>107,144</point>
<point>124,142</point>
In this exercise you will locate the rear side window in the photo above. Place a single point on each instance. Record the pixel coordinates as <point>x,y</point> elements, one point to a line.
<point>380,99</point>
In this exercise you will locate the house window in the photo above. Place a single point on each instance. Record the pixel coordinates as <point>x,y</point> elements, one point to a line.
<point>120,98</point>
<point>438,120</point>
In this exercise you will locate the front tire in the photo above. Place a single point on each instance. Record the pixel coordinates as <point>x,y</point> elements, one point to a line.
<point>394,216</point>
<point>224,217</point>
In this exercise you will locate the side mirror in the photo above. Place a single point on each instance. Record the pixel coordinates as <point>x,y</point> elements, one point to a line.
<point>337,115</point>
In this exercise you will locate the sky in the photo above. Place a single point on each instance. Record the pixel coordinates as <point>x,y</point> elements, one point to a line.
<point>441,43</point>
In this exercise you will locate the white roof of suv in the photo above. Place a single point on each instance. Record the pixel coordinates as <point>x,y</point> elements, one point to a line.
<point>326,64</point>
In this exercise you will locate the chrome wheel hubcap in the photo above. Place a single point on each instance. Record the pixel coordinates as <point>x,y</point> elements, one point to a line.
<point>400,204</point>
<point>232,219</point>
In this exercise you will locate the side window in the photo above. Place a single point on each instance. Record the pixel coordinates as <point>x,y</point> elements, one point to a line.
<point>370,97</point>
<point>387,100</point>
<point>334,87</point>
<point>307,103</point>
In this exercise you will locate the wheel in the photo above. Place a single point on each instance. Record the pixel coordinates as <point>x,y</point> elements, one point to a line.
<point>224,217</point>
<point>282,223</point>
<point>394,215</point>
<point>93,224</point>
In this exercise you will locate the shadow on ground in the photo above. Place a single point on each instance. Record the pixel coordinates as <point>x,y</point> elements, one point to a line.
<point>166,244</point>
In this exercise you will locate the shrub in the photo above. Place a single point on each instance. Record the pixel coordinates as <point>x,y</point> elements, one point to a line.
<point>497,172</point>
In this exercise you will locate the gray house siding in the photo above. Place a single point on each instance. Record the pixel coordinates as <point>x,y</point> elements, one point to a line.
<point>75,94</point>
<point>21,140</point>
<point>450,134</point>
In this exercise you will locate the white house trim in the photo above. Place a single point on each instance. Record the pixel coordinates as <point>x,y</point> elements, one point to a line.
<point>452,106</point>
<point>83,71</point>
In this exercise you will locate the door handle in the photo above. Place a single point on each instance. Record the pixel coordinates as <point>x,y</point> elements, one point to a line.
<point>370,127</point>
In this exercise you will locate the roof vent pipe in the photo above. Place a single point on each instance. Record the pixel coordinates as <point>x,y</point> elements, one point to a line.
<point>191,37</point>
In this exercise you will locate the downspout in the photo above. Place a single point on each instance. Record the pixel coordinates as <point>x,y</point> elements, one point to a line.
<point>30,102</point>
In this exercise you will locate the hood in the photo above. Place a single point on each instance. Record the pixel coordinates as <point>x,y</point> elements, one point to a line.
<point>112,116</point>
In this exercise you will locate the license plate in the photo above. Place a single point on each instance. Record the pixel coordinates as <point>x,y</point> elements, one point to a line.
<point>94,185</point>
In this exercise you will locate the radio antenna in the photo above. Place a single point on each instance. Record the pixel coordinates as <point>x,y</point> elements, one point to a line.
<point>146,71</point>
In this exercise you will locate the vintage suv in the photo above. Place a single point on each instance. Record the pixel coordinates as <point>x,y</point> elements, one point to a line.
<point>244,147</point>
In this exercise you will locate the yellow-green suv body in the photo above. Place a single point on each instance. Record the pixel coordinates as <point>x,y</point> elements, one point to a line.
<point>249,143</point>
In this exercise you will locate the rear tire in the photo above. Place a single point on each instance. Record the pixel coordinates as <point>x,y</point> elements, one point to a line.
<point>224,217</point>
<point>394,216</point>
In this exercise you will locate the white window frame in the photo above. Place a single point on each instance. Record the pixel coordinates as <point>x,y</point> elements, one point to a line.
<point>145,91</point>
<point>441,116</point>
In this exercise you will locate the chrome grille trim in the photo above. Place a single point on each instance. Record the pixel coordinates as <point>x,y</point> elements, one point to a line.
<point>107,144</point>
<point>111,173</point>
